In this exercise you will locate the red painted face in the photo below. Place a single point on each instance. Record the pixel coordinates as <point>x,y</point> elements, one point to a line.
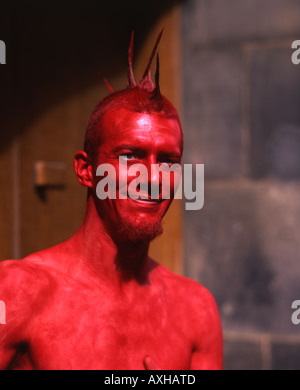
<point>139,139</point>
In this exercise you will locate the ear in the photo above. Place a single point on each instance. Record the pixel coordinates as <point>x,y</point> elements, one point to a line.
<point>83,169</point>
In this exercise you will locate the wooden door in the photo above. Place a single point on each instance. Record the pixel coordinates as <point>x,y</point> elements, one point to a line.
<point>46,101</point>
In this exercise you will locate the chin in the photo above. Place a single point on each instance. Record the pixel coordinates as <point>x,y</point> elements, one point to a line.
<point>136,231</point>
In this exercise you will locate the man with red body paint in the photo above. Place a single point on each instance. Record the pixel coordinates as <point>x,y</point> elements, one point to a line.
<point>97,301</point>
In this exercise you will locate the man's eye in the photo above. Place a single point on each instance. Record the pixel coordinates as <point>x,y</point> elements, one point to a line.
<point>127,156</point>
<point>167,162</point>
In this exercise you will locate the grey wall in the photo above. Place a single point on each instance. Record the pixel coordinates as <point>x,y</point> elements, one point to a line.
<point>241,116</point>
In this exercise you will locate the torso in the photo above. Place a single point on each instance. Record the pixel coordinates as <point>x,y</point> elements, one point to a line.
<point>75,325</point>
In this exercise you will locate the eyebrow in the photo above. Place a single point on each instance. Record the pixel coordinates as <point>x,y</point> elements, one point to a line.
<point>135,148</point>
<point>126,146</point>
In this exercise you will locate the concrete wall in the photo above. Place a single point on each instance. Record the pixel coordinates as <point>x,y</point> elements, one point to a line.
<point>241,117</point>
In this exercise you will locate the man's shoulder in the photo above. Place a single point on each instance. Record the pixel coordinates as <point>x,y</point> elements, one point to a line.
<point>35,265</point>
<point>186,288</point>
<point>27,275</point>
<point>24,289</point>
<point>24,266</point>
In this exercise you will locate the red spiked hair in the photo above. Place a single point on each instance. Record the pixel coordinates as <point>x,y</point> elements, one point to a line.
<point>142,97</point>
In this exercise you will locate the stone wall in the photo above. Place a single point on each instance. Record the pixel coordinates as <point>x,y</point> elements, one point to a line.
<point>241,117</point>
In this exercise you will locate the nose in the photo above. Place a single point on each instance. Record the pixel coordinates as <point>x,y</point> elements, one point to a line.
<point>150,179</point>
<point>154,181</point>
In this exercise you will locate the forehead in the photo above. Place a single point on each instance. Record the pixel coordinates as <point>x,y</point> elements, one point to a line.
<point>120,125</point>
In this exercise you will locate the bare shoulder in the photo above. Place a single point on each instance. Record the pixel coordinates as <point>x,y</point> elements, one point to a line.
<point>24,282</point>
<point>28,269</point>
<point>187,289</point>
<point>37,267</point>
<point>24,288</point>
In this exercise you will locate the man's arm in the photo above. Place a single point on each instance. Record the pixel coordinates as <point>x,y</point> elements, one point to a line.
<point>208,350</point>
<point>19,286</point>
<point>7,351</point>
<point>205,329</point>
<point>7,355</point>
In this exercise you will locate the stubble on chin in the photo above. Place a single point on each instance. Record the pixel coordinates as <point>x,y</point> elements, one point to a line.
<point>139,230</point>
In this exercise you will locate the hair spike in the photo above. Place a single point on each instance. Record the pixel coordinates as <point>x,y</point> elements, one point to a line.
<point>110,88</point>
<point>130,80</point>
<point>145,81</point>
<point>157,87</point>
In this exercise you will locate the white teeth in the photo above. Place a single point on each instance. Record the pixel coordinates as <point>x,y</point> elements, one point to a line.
<point>147,200</point>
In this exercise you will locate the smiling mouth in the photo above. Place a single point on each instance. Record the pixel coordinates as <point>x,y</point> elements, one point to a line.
<point>147,201</point>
